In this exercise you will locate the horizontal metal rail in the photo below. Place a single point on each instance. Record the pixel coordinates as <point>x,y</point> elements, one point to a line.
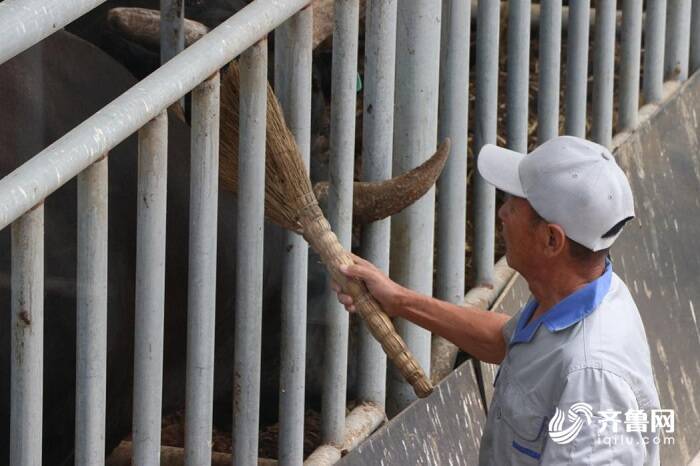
<point>23,23</point>
<point>61,161</point>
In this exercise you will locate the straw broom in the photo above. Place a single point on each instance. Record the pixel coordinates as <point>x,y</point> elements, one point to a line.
<point>290,203</point>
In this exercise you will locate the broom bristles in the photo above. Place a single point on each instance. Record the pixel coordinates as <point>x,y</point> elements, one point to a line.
<point>287,182</point>
<point>290,202</point>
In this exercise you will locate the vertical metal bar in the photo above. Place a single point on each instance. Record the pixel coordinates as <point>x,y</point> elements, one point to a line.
<point>577,68</point>
<point>604,72</point>
<point>518,74</point>
<point>654,40</point>
<point>201,297</point>
<point>677,40</point>
<point>27,351</point>
<point>249,259</point>
<point>695,37</point>
<point>91,315</point>
<point>415,135</point>
<point>549,64</point>
<point>293,55</point>
<point>487,33</point>
<point>629,69</point>
<point>378,130</point>
<point>150,290</point>
<point>172,32</point>
<point>452,185</point>
<point>342,161</point>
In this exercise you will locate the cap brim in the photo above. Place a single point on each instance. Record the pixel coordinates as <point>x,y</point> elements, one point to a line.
<point>499,167</point>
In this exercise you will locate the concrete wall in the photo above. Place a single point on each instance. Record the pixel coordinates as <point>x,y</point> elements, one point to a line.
<point>659,255</point>
<point>444,428</point>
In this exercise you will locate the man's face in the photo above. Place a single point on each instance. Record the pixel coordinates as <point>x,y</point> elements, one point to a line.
<point>519,227</point>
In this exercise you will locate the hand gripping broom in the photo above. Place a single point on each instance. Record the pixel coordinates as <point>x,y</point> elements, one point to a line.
<point>290,203</point>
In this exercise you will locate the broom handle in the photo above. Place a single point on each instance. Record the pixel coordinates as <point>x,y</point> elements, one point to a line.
<point>318,233</point>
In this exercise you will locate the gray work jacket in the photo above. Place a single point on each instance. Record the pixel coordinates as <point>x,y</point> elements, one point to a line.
<point>576,386</point>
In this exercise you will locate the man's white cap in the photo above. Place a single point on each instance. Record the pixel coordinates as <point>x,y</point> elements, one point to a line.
<point>569,181</point>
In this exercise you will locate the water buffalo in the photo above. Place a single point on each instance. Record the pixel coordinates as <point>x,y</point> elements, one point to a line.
<point>46,91</point>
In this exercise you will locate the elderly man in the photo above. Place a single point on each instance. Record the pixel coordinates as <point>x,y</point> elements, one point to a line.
<point>575,383</point>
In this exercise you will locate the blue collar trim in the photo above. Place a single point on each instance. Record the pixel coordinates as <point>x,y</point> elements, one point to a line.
<point>566,312</point>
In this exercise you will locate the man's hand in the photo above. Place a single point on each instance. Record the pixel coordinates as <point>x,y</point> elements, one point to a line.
<point>389,294</point>
<point>475,331</point>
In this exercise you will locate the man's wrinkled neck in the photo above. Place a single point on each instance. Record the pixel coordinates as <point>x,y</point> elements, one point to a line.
<point>550,285</point>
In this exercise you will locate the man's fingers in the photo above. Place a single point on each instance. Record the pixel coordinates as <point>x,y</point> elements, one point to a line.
<point>360,260</point>
<point>356,271</point>
<point>346,300</point>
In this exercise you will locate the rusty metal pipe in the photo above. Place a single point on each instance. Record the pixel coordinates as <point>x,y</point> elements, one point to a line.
<point>362,421</point>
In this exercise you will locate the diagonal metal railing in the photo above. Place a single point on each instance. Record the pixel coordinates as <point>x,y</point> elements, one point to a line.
<point>64,159</point>
<point>24,23</point>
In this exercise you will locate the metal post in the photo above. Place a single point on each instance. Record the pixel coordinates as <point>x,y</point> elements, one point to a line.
<point>378,129</point>
<point>677,40</point>
<point>577,68</point>
<point>695,37</point>
<point>485,133</point>
<point>150,290</point>
<point>603,72</point>
<point>27,351</point>
<point>249,259</point>
<point>518,75</point>
<point>293,55</point>
<point>629,70</point>
<point>342,161</point>
<point>172,32</point>
<point>550,59</point>
<point>654,39</point>
<point>452,185</point>
<point>201,305</point>
<point>91,316</point>
<point>415,135</point>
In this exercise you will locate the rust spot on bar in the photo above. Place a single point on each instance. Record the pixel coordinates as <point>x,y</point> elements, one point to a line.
<point>25,316</point>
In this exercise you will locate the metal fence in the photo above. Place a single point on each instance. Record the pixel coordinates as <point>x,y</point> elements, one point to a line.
<point>416,82</point>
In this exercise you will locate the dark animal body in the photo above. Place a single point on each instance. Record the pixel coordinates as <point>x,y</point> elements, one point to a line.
<point>46,91</point>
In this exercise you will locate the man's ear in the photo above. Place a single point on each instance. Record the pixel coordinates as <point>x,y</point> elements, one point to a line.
<point>556,240</point>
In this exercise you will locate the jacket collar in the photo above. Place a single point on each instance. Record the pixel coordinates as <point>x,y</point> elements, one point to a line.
<point>566,312</point>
